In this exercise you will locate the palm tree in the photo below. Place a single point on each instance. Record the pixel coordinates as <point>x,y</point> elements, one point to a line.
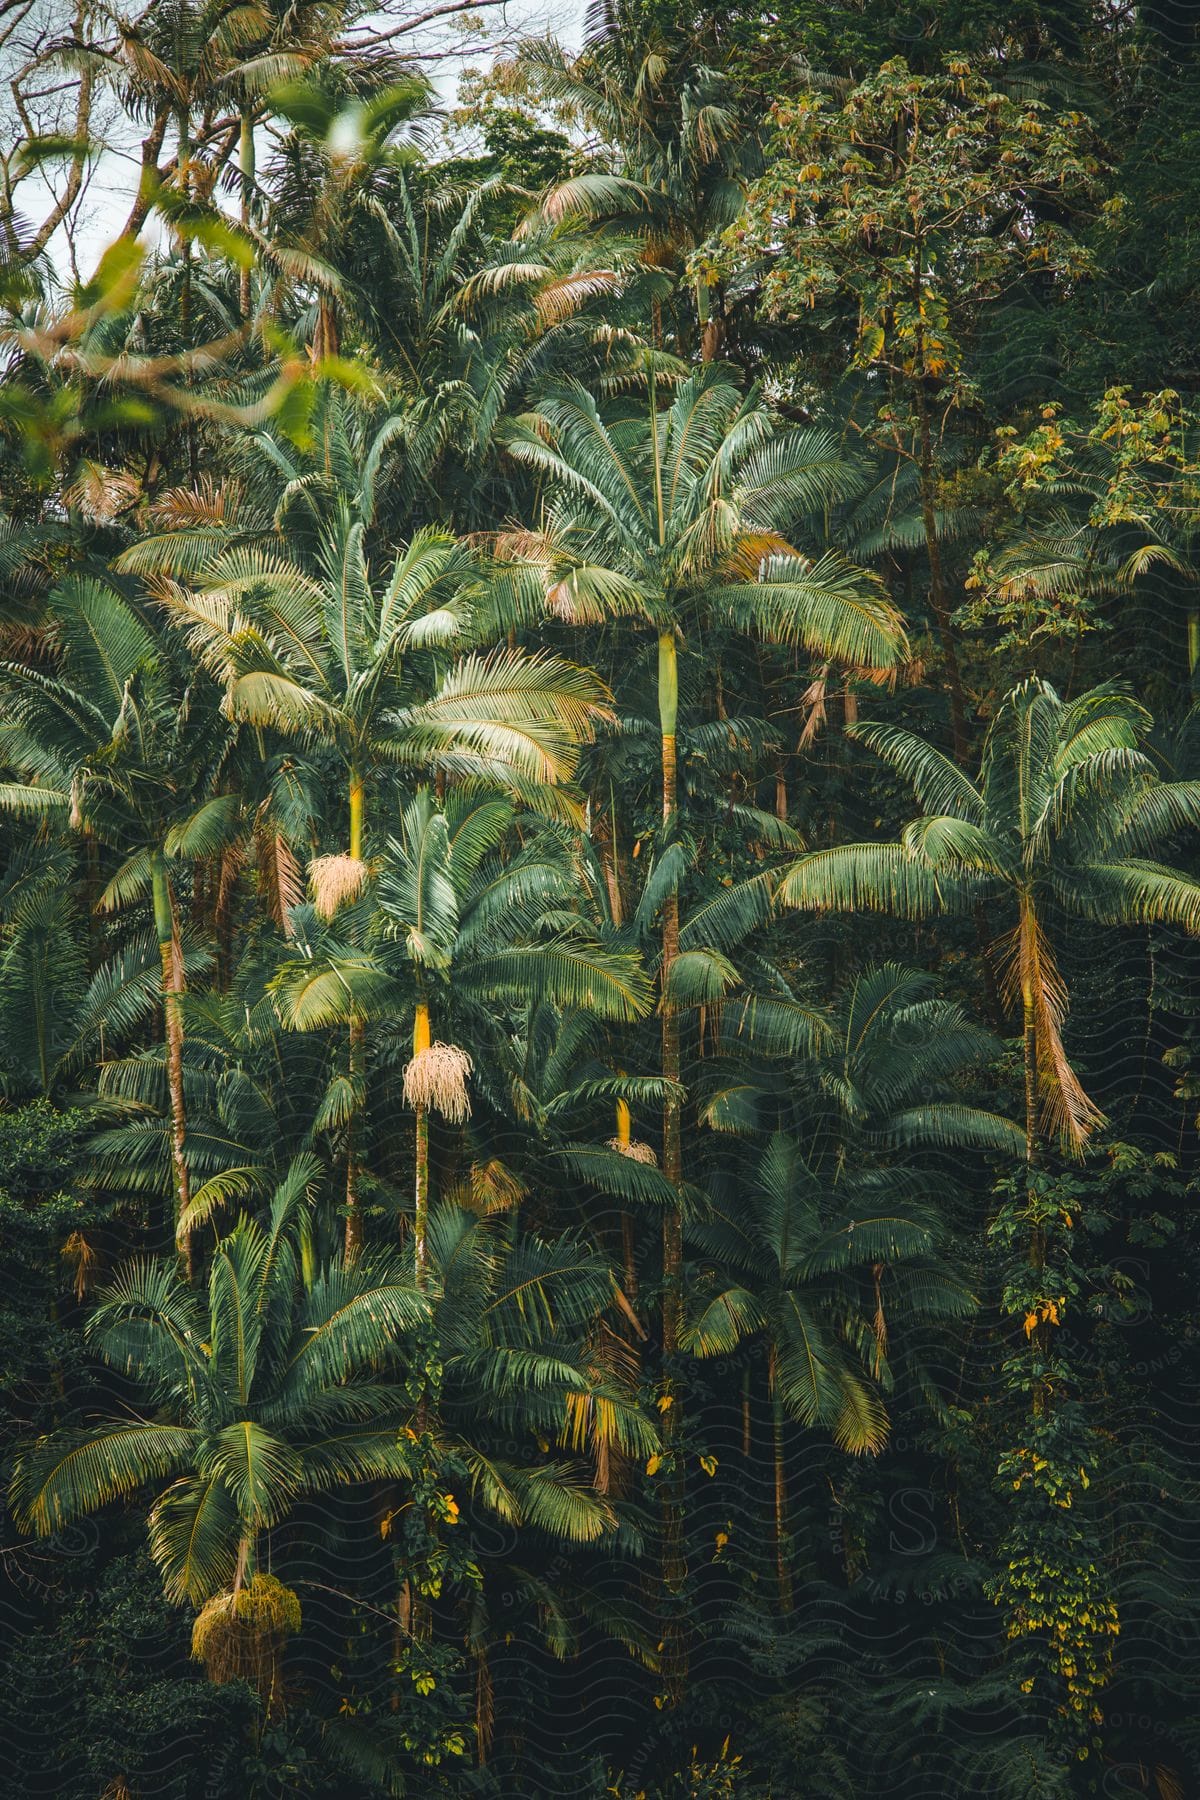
<point>202,68</point>
<point>514,1317</point>
<point>671,518</point>
<point>386,674</point>
<point>382,674</point>
<point>849,1222</point>
<point>798,1253</point>
<point>487,935</point>
<point>468,326</point>
<point>122,743</point>
<point>1061,822</point>
<point>1067,807</point>
<point>332,173</point>
<point>282,1381</point>
<point>678,149</point>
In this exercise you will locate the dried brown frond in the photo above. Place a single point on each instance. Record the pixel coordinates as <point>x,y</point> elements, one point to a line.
<point>101,494</point>
<point>233,858</point>
<point>813,702</point>
<point>494,1188</point>
<point>1026,963</point>
<point>751,549</point>
<point>634,1150</point>
<point>516,544</point>
<point>591,1418</point>
<point>280,879</point>
<point>83,1260</point>
<point>333,881</point>
<point>210,502</point>
<point>879,1325</point>
<point>564,601</point>
<point>437,1077</point>
<point>563,298</point>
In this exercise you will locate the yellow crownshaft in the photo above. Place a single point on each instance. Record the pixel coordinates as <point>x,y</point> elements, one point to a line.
<point>356,815</point>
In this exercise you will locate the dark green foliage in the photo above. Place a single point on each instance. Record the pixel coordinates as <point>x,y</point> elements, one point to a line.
<point>599,814</point>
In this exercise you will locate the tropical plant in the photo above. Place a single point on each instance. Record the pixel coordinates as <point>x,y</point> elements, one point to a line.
<point>678,150</point>
<point>1067,807</point>
<point>121,743</point>
<point>283,1380</point>
<point>670,518</point>
<point>489,935</point>
<point>855,211</point>
<point>850,1227</point>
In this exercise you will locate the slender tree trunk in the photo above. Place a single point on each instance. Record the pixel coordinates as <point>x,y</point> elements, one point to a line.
<point>779,1467</point>
<point>356,815</point>
<point>148,185</point>
<point>421,1041</point>
<point>356,1060</point>
<point>781,793</point>
<point>606,843</point>
<point>1037,1239</point>
<point>171,958</point>
<point>355,1069</point>
<point>246,159</point>
<point>628,1250</point>
<point>673,1568</point>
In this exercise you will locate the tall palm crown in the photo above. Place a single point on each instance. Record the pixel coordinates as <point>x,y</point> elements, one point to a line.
<point>801,1258</point>
<point>305,637</point>
<point>269,1387</point>
<point>853,1192</point>
<point>484,926</point>
<point>678,148</point>
<point>332,173</point>
<point>1064,816</point>
<point>514,1318</point>
<point>676,513</point>
<point>878,1081</point>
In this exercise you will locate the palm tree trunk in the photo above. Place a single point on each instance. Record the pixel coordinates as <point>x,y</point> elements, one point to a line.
<point>246,159</point>
<point>356,815</point>
<point>1026,951</point>
<point>421,1040</point>
<point>782,1571</point>
<point>668,700</point>
<point>606,843</point>
<point>628,1247</point>
<point>673,1569</point>
<point>171,958</point>
<point>356,1068</point>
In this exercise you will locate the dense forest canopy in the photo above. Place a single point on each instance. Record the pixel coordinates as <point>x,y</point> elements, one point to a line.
<point>599,874</point>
